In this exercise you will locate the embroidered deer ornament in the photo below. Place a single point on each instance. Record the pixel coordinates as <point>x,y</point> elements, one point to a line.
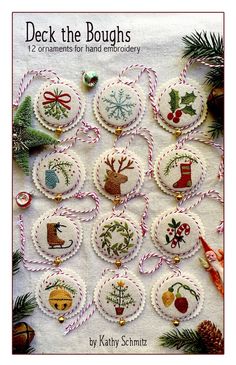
<point>114,178</point>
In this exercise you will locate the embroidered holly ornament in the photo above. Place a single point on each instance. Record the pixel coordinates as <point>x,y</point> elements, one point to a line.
<point>25,137</point>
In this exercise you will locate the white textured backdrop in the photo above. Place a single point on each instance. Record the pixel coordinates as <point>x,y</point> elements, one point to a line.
<point>159,36</point>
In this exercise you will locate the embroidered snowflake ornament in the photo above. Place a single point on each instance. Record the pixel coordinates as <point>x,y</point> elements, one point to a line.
<point>59,105</point>
<point>118,173</point>
<point>182,106</point>
<point>61,294</point>
<point>56,236</point>
<point>120,296</point>
<point>58,175</point>
<point>177,297</point>
<point>176,234</point>
<point>116,238</point>
<point>179,170</point>
<point>119,106</point>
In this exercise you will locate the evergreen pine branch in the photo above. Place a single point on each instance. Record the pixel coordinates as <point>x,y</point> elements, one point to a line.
<point>24,113</point>
<point>24,351</point>
<point>23,306</point>
<point>187,339</point>
<point>16,259</point>
<point>216,129</point>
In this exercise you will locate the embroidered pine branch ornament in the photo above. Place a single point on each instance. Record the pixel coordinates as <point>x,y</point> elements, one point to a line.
<point>25,137</point>
<point>119,106</point>
<point>61,294</point>
<point>59,106</point>
<point>182,106</point>
<point>177,297</point>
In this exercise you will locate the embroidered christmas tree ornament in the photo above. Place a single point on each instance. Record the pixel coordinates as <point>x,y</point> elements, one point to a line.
<point>61,294</point>
<point>120,103</point>
<point>176,234</point>
<point>177,297</point>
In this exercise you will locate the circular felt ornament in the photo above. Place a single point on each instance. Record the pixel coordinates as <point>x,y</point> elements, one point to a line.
<point>116,237</point>
<point>179,170</point>
<point>120,296</point>
<point>177,233</point>
<point>182,106</point>
<point>61,294</point>
<point>118,173</point>
<point>177,297</point>
<point>59,105</point>
<point>119,105</point>
<point>56,235</point>
<point>58,174</point>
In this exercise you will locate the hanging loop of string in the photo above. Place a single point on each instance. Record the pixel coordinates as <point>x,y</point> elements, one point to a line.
<point>44,265</point>
<point>29,76</point>
<point>85,129</point>
<point>74,213</point>
<point>204,61</point>
<point>213,194</point>
<point>146,134</point>
<point>203,138</point>
<point>162,259</point>
<point>152,79</point>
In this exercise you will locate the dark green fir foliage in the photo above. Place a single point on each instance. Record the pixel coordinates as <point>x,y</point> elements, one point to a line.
<point>25,137</point>
<point>16,259</point>
<point>23,306</point>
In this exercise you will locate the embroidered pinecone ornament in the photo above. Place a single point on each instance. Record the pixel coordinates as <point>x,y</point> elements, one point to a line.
<point>212,337</point>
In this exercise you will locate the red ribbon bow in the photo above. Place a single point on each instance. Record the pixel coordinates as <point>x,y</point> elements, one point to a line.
<point>63,99</point>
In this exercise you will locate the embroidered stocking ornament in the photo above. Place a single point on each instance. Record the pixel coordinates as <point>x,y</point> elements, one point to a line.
<point>119,297</point>
<point>181,103</point>
<point>59,105</point>
<point>120,103</point>
<point>180,169</point>
<point>116,236</point>
<point>119,172</point>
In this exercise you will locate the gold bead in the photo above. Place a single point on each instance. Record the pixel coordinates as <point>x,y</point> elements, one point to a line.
<point>117,200</point>
<point>122,322</point>
<point>178,196</point>
<point>175,322</point>
<point>57,261</point>
<point>58,131</point>
<point>58,198</point>
<point>176,259</point>
<point>118,263</point>
<point>178,133</point>
<point>61,319</point>
<point>118,131</point>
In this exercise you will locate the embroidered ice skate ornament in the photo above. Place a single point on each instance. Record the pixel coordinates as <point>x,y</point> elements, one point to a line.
<point>118,173</point>
<point>119,106</point>
<point>176,234</point>
<point>177,298</point>
<point>120,297</point>
<point>56,235</point>
<point>61,294</point>
<point>58,174</point>
<point>116,238</point>
<point>59,105</point>
<point>179,170</point>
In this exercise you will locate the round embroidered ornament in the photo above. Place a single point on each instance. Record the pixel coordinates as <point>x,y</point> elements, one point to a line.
<point>59,105</point>
<point>179,170</point>
<point>177,297</point>
<point>119,105</point>
<point>58,175</point>
<point>182,106</point>
<point>56,236</point>
<point>176,233</point>
<point>118,173</point>
<point>61,294</point>
<point>120,296</point>
<point>116,238</point>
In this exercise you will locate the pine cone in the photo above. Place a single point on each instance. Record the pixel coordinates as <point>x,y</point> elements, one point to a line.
<point>212,337</point>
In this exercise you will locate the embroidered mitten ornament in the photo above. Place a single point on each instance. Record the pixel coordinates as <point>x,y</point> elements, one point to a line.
<point>120,103</point>
<point>119,297</point>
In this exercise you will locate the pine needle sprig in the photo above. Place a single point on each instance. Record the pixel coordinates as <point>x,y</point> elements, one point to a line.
<point>216,129</point>
<point>16,259</point>
<point>23,306</point>
<point>187,339</point>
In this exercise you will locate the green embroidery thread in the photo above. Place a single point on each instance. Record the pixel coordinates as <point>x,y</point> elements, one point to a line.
<point>119,105</point>
<point>180,104</point>
<point>119,297</point>
<point>55,167</point>
<point>179,157</point>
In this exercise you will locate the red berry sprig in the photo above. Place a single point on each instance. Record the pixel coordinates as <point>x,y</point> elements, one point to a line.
<point>175,117</point>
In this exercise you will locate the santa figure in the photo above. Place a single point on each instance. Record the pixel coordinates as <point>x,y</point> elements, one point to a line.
<point>214,264</point>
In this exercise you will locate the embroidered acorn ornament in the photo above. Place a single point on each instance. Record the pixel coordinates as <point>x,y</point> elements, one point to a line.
<point>90,78</point>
